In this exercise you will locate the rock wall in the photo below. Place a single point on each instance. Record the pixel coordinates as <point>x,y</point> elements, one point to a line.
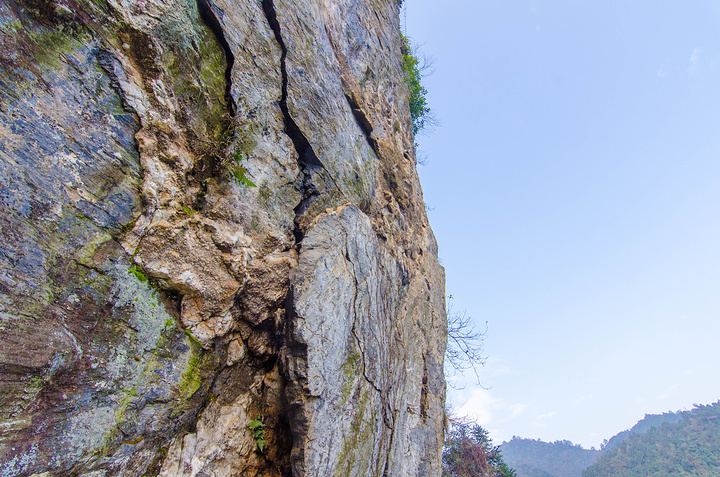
<point>214,253</point>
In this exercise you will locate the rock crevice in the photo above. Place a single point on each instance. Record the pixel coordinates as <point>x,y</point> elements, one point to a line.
<point>308,161</point>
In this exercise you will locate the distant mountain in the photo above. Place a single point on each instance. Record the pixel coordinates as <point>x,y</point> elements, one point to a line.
<point>535,458</point>
<point>683,444</point>
<point>672,444</point>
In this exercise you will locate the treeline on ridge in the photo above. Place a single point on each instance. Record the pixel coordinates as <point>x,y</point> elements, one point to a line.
<point>688,446</point>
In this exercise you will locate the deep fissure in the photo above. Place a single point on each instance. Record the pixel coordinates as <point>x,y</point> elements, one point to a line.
<point>307,158</point>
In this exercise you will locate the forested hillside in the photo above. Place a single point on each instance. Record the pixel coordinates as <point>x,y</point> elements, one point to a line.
<point>690,446</point>
<point>648,422</point>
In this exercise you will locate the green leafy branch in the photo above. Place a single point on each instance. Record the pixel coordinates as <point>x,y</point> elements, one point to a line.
<point>258,428</point>
<point>237,171</point>
<point>413,70</point>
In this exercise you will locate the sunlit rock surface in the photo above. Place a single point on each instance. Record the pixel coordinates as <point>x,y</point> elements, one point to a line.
<point>152,305</point>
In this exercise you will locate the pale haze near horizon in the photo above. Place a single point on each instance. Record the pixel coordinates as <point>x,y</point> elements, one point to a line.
<point>574,187</point>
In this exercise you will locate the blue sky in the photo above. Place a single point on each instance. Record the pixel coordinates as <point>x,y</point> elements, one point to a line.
<point>574,187</point>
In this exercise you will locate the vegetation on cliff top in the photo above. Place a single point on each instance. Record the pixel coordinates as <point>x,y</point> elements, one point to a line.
<point>413,69</point>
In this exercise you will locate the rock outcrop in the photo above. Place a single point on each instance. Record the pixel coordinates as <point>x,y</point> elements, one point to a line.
<point>214,253</point>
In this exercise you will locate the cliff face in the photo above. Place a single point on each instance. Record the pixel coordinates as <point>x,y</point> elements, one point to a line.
<point>153,302</point>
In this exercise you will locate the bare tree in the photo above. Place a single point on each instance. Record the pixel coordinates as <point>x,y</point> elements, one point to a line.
<point>465,343</point>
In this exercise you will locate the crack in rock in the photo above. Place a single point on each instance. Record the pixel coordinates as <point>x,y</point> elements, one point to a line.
<point>308,160</point>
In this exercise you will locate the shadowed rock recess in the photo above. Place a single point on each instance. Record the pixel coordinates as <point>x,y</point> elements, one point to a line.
<point>160,316</point>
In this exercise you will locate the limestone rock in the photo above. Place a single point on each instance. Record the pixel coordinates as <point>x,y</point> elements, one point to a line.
<point>357,368</point>
<point>153,303</point>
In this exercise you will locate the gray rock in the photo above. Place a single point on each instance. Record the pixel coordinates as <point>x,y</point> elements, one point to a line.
<point>151,306</point>
<point>357,370</point>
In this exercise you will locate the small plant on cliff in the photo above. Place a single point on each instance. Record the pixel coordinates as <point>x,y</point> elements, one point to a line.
<point>258,428</point>
<point>224,156</point>
<point>237,170</point>
<point>413,69</point>
<point>137,271</point>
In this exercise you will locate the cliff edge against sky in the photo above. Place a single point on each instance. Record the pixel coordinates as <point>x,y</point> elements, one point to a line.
<point>214,253</point>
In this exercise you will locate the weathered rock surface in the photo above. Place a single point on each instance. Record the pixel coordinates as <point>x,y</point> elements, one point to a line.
<point>348,293</point>
<point>151,304</point>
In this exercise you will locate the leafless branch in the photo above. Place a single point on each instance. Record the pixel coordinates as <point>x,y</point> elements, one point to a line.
<point>465,343</point>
